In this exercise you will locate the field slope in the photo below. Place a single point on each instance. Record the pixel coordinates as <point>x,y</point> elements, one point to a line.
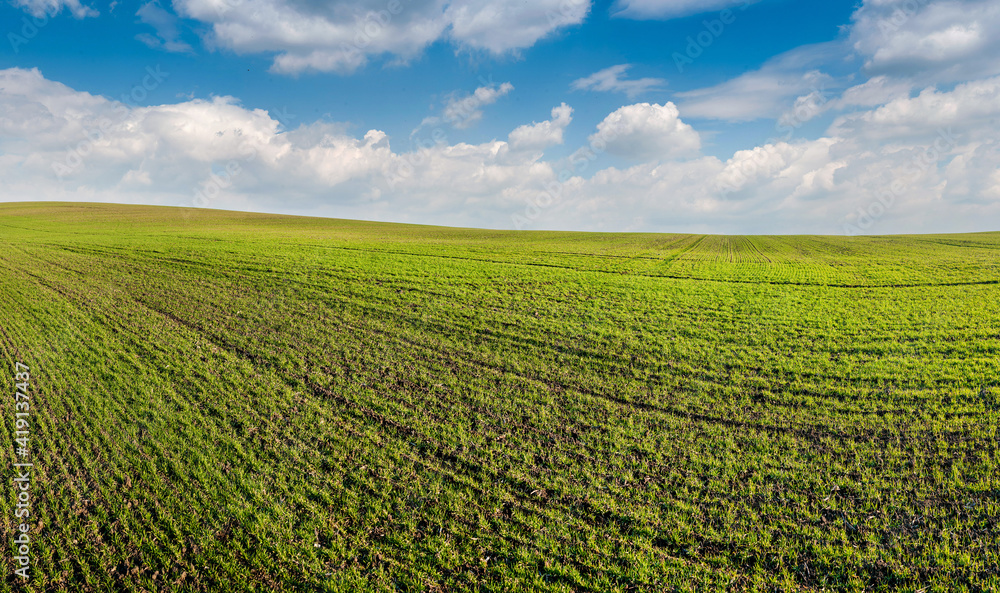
<point>242,402</point>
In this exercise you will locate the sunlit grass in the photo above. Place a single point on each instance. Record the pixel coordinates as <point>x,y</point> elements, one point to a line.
<point>234,402</point>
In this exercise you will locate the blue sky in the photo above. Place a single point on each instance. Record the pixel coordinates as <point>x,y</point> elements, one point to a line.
<point>774,116</point>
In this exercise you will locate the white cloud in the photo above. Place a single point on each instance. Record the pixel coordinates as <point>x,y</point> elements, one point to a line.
<point>340,36</point>
<point>333,36</point>
<point>904,44</point>
<point>165,23</point>
<point>875,91</point>
<point>667,9</point>
<point>70,145</point>
<point>754,95</point>
<point>43,8</point>
<point>611,80</point>
<point>803,109</point>
<point>647,131</point>
<point>81,141</point>
<point>762,93</point>
<point>972,106</point>
<point>937,41</point>
<point>241,158</point>
<point>499,26</point>
<point>539,136</point>
<point>908,45</point>
<point>464,112</point>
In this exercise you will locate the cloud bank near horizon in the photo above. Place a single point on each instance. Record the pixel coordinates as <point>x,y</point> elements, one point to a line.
<point>910,144</point>
<point>918,158</point>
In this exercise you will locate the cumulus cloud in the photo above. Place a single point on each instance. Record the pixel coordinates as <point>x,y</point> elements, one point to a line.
<point>648,131</point>
<point>41,8</point>
<point>972,106</point>
<point>907,45</point>
<point>66,144</point>
<point>499,26</point>
<point>340,36</point>
<point>539,136</point>
<point>871,93</point>
<point>79,140</point>
<point>612,80</point>
<point>904,45</point>
<point>69,145</point>
<point>939,41</point>
<point>667,9</point>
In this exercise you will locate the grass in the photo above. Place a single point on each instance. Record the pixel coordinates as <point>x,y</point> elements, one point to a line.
<point>244,402</point>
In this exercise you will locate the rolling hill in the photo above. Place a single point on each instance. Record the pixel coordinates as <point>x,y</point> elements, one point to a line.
<point>225,401</point>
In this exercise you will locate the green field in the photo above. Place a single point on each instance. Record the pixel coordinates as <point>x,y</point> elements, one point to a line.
<point>242,402</point>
